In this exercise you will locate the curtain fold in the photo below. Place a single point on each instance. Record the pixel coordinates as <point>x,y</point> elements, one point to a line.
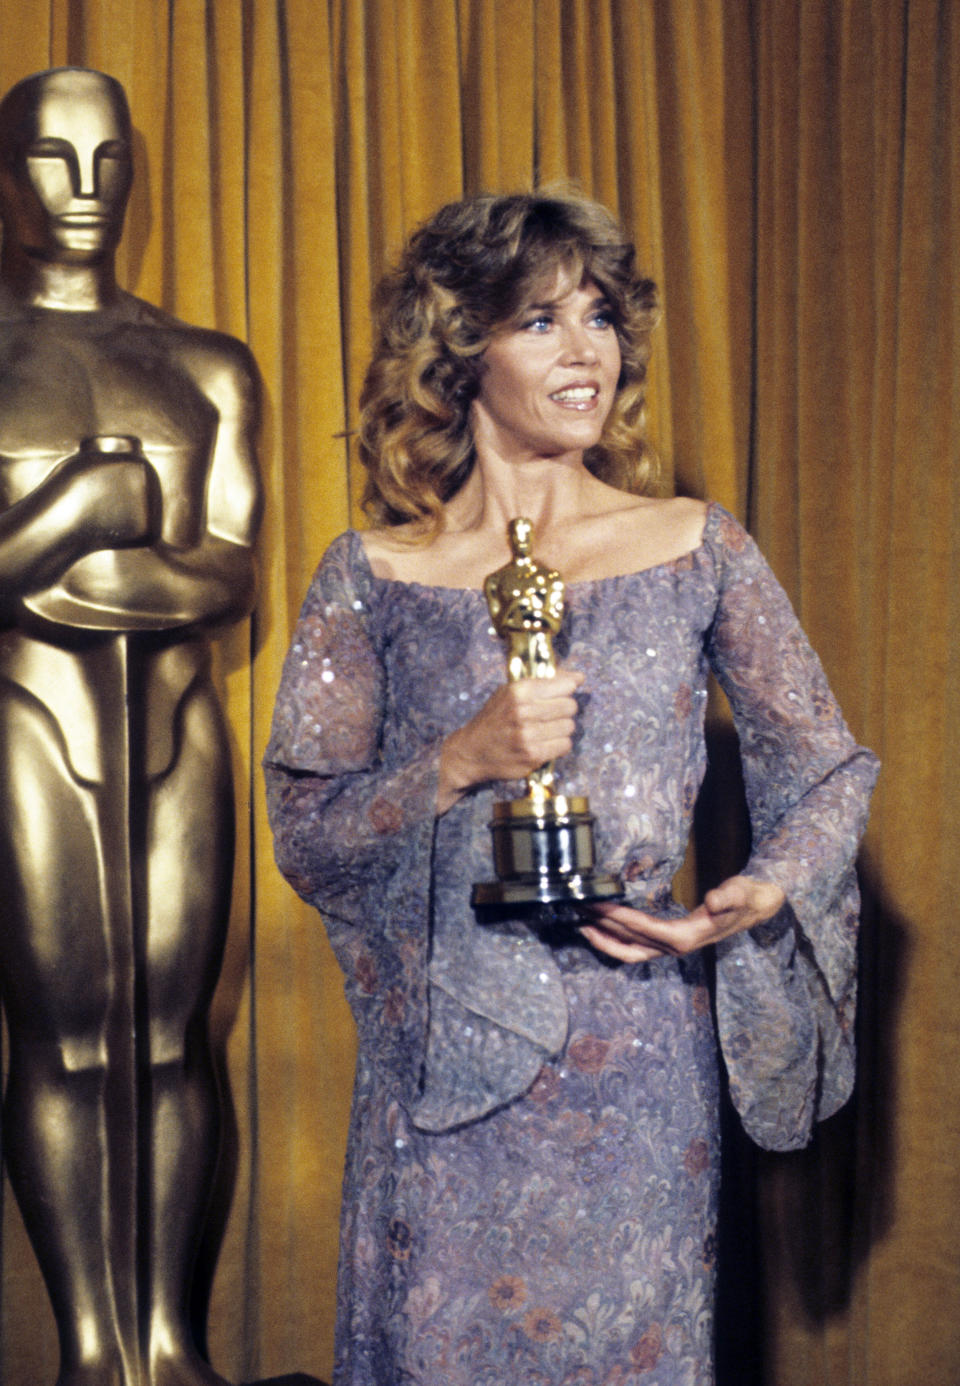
<point>790,170</point>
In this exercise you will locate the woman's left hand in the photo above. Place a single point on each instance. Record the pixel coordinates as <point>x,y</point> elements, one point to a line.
<point>634,936</point>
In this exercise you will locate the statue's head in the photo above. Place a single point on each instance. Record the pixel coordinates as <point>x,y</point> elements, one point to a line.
<point>65,164</point>
<point>520,532</point>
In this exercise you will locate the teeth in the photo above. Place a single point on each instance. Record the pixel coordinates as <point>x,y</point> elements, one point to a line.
<point>575,394</point>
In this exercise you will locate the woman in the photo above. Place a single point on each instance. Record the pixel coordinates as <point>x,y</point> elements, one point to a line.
<point>533,1157</point>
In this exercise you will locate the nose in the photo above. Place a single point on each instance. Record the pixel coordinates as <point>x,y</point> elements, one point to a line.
<point>85,173</point>
<point>579,347</point>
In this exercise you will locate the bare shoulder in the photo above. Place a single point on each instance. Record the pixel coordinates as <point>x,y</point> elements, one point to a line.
<point>633,533</point>
<point>384,543</point>
<point>399,552</point>
<point>678,518</point>
<point>449,558</point>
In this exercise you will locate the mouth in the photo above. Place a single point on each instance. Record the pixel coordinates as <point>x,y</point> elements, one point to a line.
<point>576,396</point>
<point>83,219</point>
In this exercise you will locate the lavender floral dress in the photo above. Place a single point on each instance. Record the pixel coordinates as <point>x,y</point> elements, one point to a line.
<point>531,1179</point>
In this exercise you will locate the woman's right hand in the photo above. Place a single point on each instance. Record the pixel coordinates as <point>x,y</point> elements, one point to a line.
<point>519,728</point>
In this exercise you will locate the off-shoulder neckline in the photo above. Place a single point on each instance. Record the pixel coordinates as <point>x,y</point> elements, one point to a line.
<point>713,509</point>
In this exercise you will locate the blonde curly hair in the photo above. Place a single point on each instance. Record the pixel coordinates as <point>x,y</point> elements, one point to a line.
<point>469,270</point>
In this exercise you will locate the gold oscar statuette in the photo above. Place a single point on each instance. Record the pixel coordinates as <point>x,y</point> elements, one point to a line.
<point>543,851</point>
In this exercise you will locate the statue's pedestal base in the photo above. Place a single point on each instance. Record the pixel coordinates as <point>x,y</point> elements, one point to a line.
<point>291,1379</point>
<point>544,859</point>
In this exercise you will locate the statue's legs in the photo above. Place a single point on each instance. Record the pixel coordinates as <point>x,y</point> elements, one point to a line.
<point>113,915</point>
<point>189,867</point>
<point>69,1128</point>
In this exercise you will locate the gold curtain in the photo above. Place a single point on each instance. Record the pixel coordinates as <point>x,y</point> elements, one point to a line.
<point>791,172</point>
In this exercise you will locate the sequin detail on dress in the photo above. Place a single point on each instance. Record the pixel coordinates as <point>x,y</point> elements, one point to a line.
<point>531,1181</point>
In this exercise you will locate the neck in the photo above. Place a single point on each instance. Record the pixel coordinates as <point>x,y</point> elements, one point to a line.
<point>70,288</point>
<point>546,491</point>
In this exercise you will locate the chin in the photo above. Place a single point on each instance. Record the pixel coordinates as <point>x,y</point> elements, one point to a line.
<point>581,440</point>
<point>86,250</point>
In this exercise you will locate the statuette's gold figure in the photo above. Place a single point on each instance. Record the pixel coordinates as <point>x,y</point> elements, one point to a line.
<point>543,849</point>
<point>525,600</point>
<point>526,606</point>
<point>129,503</point>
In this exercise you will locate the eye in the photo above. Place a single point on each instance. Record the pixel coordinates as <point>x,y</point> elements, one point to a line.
<point>49,149</point>
<point>113,149</point>
<point>602,318</point>
<point>540,322</point>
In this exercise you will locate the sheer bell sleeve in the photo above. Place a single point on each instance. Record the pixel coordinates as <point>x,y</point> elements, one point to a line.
<point>344,822</point>
<point>456,1019</point>
<point>786,991</point>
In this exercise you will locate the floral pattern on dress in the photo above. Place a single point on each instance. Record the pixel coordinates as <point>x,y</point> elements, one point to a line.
<point>531,1180</point>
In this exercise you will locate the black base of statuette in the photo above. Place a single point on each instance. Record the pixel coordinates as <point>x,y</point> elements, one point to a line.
<point>542,896</point>
<point>291,1379</point>
<point>553,919</point>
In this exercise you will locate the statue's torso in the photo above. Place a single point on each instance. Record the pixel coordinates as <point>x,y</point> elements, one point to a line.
<point>65,377</point>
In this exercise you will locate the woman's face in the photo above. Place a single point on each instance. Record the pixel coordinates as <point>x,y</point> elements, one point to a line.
<point>551,377</point>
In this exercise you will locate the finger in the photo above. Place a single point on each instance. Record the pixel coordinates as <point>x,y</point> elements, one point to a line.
<point>729,895</point>
<point>676,936</point>
<point>566,679</point>
<point>624,914</point>
<point>743,895</point>
<point>549,740</point>
<point>545,709</point>
<point>526,725</point>
<point>632,918</point>
<point>614,947</point>
<point>538,718</point>
<point>633,927</point>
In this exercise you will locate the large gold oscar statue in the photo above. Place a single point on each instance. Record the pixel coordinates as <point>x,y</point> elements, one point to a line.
<point>129,502</point>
